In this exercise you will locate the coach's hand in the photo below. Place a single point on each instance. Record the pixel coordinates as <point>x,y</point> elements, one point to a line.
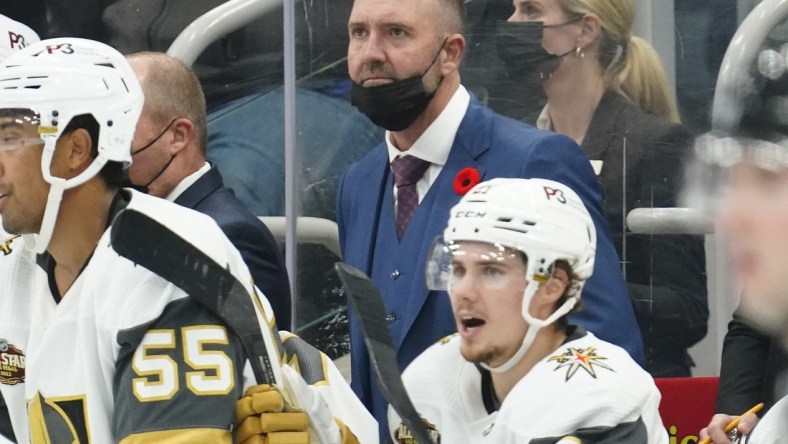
<point>716,428</point>
<point>263,417</point>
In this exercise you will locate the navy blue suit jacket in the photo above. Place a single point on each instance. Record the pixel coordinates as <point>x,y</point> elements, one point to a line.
<point>497,147</point>
<point>248,234</point>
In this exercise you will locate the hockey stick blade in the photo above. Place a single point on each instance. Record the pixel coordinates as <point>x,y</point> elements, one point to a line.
<point>364,298</point>
<point>148,243</point>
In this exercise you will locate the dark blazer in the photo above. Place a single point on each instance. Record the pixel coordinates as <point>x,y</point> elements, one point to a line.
<point>248,234</point>
<point>666,275</point>
<point>497,147</point>
<point>752,364</point>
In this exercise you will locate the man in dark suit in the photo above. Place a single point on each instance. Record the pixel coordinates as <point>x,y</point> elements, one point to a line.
<point>404,59</point>
<point>168,160</point>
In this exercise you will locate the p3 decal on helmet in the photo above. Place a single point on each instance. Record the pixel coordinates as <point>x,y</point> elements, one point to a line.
<point>556,194</point>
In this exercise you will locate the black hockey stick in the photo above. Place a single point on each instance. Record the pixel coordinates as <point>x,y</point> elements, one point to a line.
<point>147,242</point>
<point>365,299</point>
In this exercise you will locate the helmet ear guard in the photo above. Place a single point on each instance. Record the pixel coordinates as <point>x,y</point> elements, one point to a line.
<point>543,219</point>
<point>66,77</point>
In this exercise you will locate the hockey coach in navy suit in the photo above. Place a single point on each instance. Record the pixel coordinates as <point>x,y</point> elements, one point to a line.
<point>403,59</point>
<point>168,161</point>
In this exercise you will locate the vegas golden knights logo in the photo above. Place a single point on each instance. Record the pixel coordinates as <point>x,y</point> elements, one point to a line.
<point>12,364</point>
<point>5,246</point>
<point>58,420</point>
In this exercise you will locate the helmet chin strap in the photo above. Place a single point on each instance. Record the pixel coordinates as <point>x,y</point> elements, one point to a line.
<point>534,325</point>
<point>39,242</point>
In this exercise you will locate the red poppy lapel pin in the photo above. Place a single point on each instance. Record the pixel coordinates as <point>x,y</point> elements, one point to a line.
<point>466,179</point>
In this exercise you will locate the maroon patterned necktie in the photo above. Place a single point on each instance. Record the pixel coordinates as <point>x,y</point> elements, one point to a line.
<point>407,171</point>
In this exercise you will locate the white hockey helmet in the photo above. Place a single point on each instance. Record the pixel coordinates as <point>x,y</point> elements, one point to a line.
<point>749,116</point>
<point>18,37</point>
<point>543,219</point>
<point>59,79</point>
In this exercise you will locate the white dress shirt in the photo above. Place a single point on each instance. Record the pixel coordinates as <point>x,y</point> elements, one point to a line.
<point>435,144</point>
<point>187,182</point>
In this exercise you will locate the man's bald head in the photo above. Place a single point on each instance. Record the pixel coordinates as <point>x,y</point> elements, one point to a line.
<point>452,15</point>
<point>171,90</point>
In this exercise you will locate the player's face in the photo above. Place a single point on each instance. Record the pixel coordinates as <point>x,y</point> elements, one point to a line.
<point>486,291</point>
<point>23,191</point>
<point>754,220</point>
<point>393,41</point>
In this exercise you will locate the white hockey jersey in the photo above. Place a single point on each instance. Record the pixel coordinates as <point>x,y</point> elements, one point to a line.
<point>128,357</point>
<point>587,390</point>
<point>773,428</point>
<point>17,266</point>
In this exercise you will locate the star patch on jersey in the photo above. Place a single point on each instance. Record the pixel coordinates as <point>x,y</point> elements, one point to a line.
<point>5,246</point>
<point>577,358</point>
<point>12,364</point>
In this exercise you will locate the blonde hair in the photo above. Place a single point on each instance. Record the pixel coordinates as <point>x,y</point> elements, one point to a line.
<point>633,69</point>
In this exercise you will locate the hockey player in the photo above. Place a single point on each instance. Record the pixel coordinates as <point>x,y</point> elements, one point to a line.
<point>514,258</point>
<point>115,352</point>
<point>740,174</point>
<point>16,264</point>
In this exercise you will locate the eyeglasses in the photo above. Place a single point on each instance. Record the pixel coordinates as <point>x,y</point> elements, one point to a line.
<point>12,143</point>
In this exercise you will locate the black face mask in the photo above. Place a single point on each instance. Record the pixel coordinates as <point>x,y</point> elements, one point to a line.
<point>520,49</point>
<point>396,105</point>
<point>127,183</point>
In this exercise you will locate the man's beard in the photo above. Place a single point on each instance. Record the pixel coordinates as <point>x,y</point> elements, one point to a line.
<point>481,357</point>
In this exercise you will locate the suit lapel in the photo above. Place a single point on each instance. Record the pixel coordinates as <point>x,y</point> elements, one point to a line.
<point>473,138</point>
<point>371,189</point>
<point>603,129</point>
<point>206,185</point>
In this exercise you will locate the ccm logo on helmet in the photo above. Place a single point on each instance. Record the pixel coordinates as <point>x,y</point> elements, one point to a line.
<point>469,214</point>
<point>555,193</point>
<point>16,40</point>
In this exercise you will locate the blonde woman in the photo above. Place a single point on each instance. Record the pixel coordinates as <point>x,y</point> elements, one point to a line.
<point>606,89</point>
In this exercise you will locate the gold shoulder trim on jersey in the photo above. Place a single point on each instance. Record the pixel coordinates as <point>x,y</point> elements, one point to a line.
<point>5,246</point>
<point>446,339</point>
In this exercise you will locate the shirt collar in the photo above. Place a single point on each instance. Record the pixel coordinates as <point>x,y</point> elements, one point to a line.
<point>435,144</point>
<point>187,182</point>
<point>543,121</point>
